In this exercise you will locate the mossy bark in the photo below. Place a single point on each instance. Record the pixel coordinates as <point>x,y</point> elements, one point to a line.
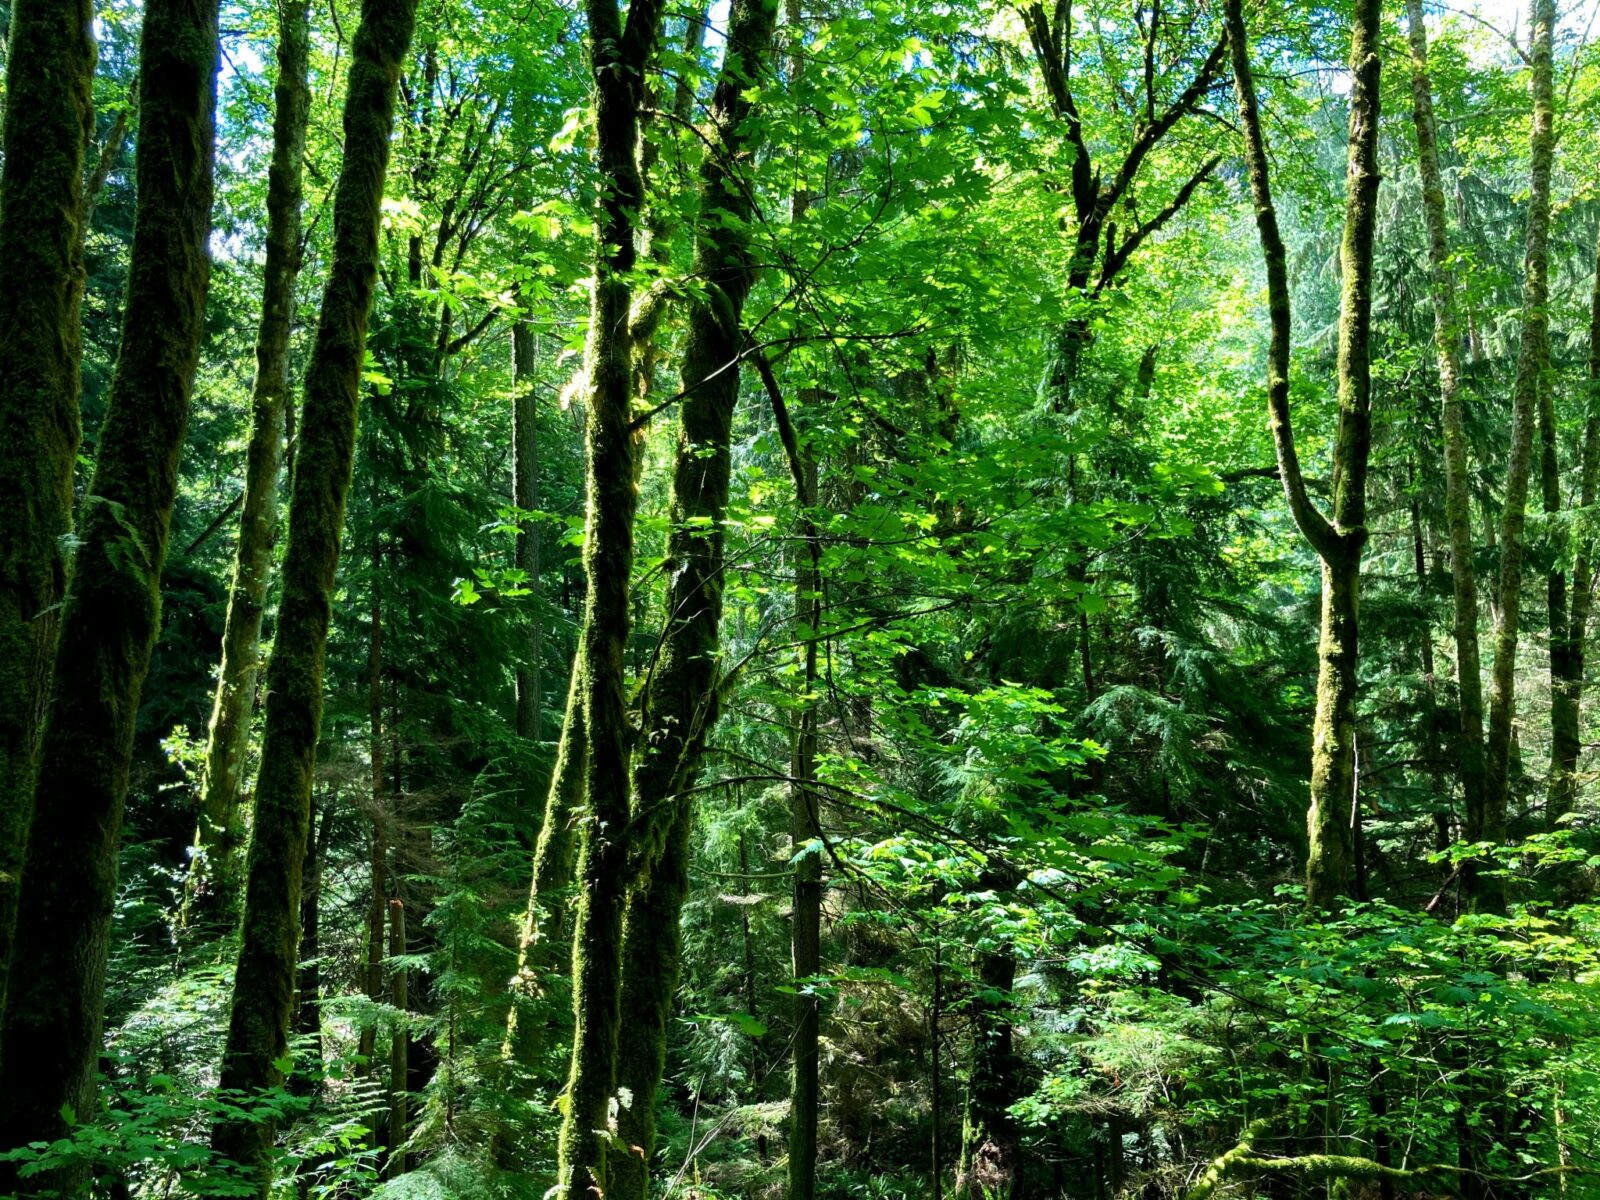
<point>51,1037</point>
<point>1447,348</point>
<point>1330,862</point>
<point>48,115</point>
<point>681,696</point>
<point>991,1149</point>
<point>216,836</point>
<point>264,980</point>
<point>618,52</point>
<point>1486,890</point>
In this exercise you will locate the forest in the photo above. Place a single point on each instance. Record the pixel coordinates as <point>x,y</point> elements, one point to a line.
<point>799,599</point>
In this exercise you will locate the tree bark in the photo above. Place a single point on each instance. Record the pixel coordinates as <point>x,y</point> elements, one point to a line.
<point>1330,861</point>
<point>1486,890</point>
<point>619,53</point>
<point>48,117</point>
<point>50,1044</point>
<point>1447,348</point>
<point>217,835</point>
<point>525,495</point>
<point>991,1150</point>
<point>264,980</point>
<point>395,1165</point>
<point>308,977</point>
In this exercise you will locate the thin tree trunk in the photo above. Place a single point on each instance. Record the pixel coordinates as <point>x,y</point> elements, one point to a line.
<point>373,966</point>
<point>681,698</point>
<point>935,1078</point>
<point>618,56</point>
<point>1447,349</point>
<point>48,118</point>
<point>1566,743</point>
<point>264,981</point>
<point>217,835</point>
<point>308,978</point>
<point>525,495</point>
<point>399,1044</point>
<point>1330,861</point>
<point>50,1046</point>
<point>991,1150</point>
<point>1487,890</point>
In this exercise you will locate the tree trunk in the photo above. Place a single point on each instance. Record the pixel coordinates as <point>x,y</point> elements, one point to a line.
<point>217,835</point>
<point>618,56</point>
<point>991,1152</point>
<point>308,978</point>
<point>399,1043</point>
<point>1447,347</point>
<point>48,117</point>
<point>1330,860</point>
<point>681,700</point>
<point>525,495</point>
<point>264,981</point>
<point>1565,741</point>
<point>1487,891</point>
<point>50,1045</point>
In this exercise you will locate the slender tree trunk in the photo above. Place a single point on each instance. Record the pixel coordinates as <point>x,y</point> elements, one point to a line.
<point>1487,890</point>
<point>308,978</point>
<point>1566,742</point>
<point>50,1045</point>
<point>399,1044</point>
<point>1447,348</point>
<point>618,55</point>
<point>681,698</point>
<point>1330,862</point>
<point>48,117</point>
<point>525,495</point>
<point>264,980</point>
<point>217,835</point>
<point>991,1151</point>
<point>372,979</point>
<point>936,1079</point>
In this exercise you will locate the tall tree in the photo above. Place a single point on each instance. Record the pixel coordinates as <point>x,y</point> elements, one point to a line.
<point>263,992</point>
<point>1487,889</point>
<point>1330,866</point>
<point>620,49</point>
<point>48,115</point>
<point>681,701</point>
<point>229,730</point>
<point>1447,351</point>
<point>50,1039</point>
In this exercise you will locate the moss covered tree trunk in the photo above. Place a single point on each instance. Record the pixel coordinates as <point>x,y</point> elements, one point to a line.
<point>681,698</point>
<point>991,1149</point>
<point>48,115</point>
<point>1486,890</point>
<point>216,836</point>
<point>1447,348</point>
<point>50,1046</point>
<point>264,981</point>
<point>619,52</point>
<point>1330,861</point>
<point>525,495</point>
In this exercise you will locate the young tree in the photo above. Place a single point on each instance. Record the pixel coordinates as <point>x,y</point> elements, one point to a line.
<point>229,731</point>
<point>48,115</point>
<point>1330,866</point>
<point>50,1038</point>
<point>263,993</point>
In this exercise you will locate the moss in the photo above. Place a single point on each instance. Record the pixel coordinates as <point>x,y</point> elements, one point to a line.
<point>263,999</point>
<point>51,1036</point>
<point>228,733</point>
<point>47,118</point>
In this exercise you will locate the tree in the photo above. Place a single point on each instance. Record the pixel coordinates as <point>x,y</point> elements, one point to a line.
<point>263,989</point>
<point>50,1037</point>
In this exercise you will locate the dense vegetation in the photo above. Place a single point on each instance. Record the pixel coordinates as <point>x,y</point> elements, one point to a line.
<point>855,598</point>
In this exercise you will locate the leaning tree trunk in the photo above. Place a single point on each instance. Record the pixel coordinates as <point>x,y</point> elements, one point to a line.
<point>681,700</point>
<point>1487,890</point>
<point>618,55</point>
<point>1447,347</point>
<point>263,994</point>
<point>216,836</point>
<point>1330,862</point>
<point>50,1046</point>
<point>48,115</point>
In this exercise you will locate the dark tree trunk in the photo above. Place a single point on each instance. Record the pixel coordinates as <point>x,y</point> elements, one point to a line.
<point>217,835</point>
<point>264,981</point>
<point>48,115</point>
<point>50,1047</point>
<point>991,1151</point>
<point>308,978</point>
<point>399,1044</point>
